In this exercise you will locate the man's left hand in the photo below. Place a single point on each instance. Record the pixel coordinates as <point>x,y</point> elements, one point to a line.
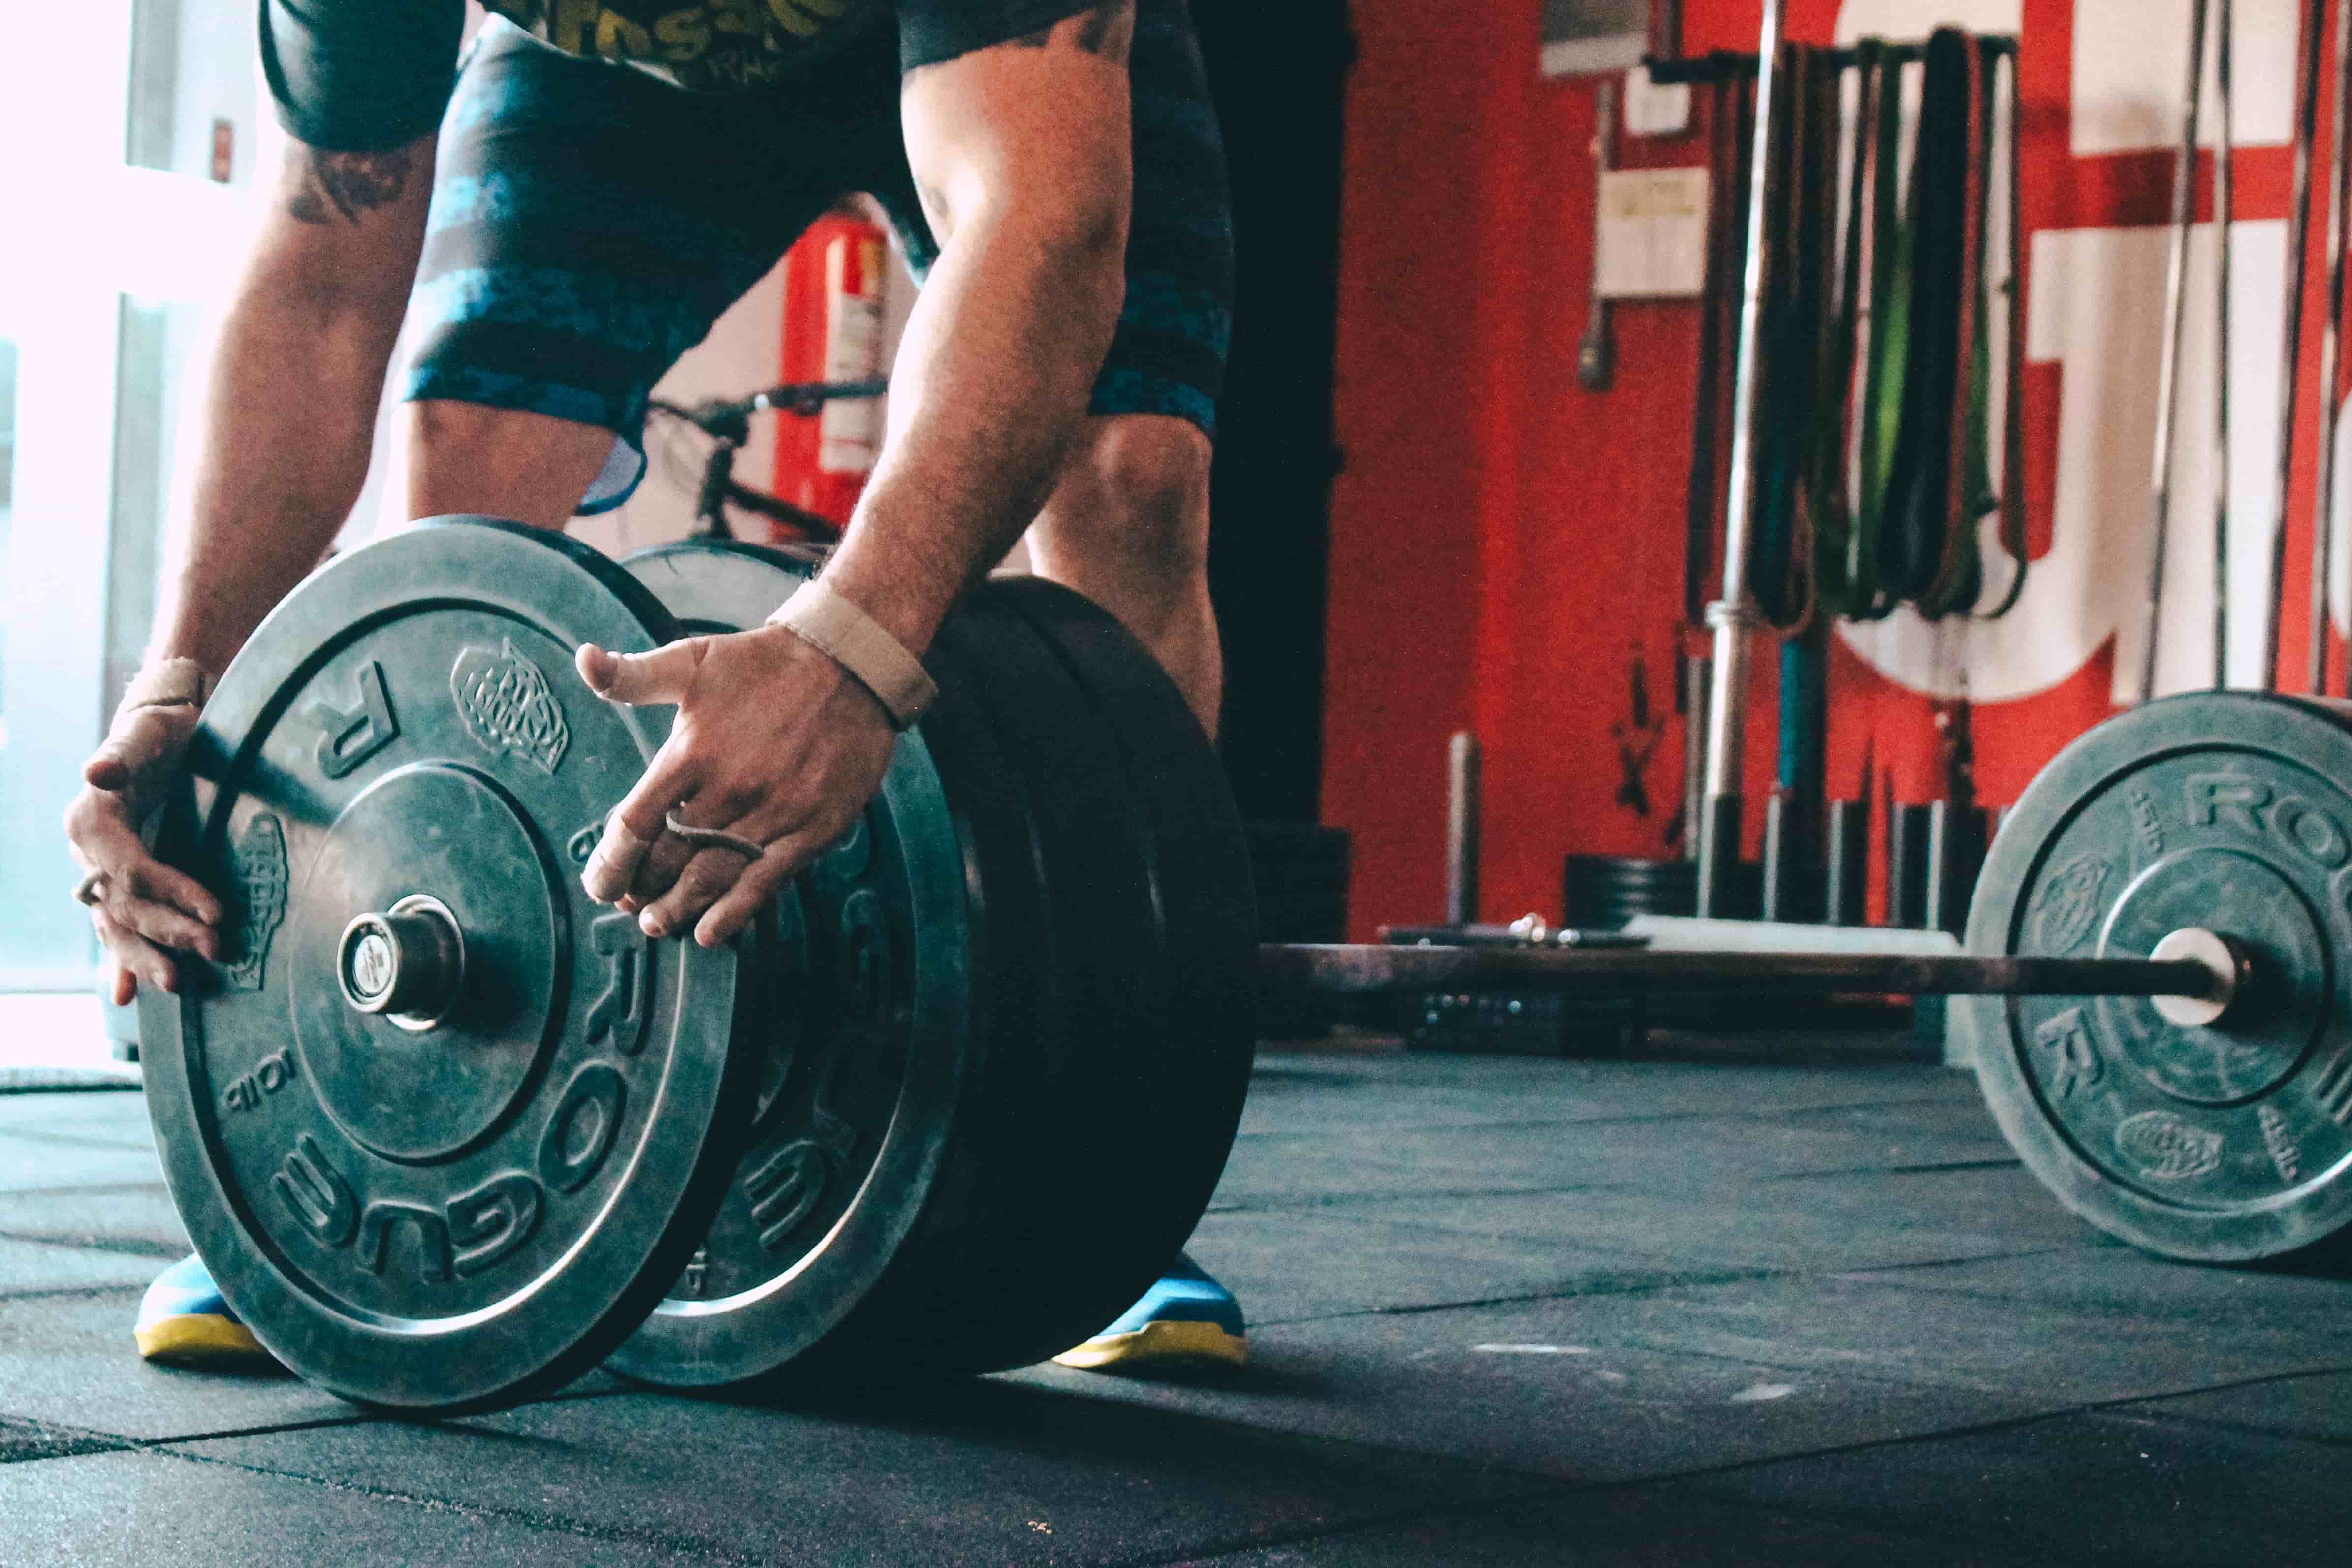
<point>774,744</point>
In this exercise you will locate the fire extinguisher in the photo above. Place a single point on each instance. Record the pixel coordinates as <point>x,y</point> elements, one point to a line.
<point>833,283</point>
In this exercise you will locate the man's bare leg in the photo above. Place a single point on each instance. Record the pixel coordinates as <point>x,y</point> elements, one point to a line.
<point>497,462</point>
<point>1127,526</point>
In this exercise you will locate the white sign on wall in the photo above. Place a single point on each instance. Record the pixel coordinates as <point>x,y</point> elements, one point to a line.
<point>1653,234</point>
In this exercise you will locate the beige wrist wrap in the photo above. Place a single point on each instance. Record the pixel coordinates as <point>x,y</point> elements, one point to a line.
<point>857,642</point>
<point>172,683</point>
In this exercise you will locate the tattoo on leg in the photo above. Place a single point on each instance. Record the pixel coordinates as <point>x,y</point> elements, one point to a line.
<point>349,184</point>
<point>1106,29</point>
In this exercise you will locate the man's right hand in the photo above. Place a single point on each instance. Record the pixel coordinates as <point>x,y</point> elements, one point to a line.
<point>142,909</point>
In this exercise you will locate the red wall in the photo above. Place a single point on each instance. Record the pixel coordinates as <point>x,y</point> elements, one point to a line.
<point>1501,539</point>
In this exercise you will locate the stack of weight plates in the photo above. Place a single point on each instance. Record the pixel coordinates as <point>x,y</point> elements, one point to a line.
<point>1301,870</point>
<point>448,1134</point>
<point>1604,891</point>
<point>982,1137</point>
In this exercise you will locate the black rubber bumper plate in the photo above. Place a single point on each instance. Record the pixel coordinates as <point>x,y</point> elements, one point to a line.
<point>863,983</point>
<point>2229,812</point>
<point>994,1154</point>
<point>476,1194</point>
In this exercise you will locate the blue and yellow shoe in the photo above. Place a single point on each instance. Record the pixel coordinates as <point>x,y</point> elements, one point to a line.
<point>183,1320</point>
<point>1188,1317</point>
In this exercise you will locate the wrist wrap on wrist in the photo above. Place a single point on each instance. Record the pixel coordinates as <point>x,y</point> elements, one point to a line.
<point>855,641</point>
<point>173,683</point>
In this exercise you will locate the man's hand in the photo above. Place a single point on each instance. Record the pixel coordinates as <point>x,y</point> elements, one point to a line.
<point>774,744</point>
<point>140,908</point>
<point>1021,153</point>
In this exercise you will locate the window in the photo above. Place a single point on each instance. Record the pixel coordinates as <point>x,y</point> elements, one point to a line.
<point>7,474</point>
<point>124,115</point>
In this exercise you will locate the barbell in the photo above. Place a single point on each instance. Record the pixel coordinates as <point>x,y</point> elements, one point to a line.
<point>447,1133</point>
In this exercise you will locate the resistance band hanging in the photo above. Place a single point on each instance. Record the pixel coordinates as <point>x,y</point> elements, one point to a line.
<point>1913,296</point>
<point>1845,563</point>
<point>1887,321</point>
<point>2012,499</point>
<point>1874,440</point>
<point>1778,560</point>
<point>1960,572</point>
<point>1919,488</point>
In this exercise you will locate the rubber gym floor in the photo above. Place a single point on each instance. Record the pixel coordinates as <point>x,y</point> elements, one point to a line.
<point>1782,1303</point>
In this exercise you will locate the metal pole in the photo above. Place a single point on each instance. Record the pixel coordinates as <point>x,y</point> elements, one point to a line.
<point>1667,29</point>
<point>1849,862</point>
<point>2298,248</point>
<point>2176,291</point>
<point>1779,856</point>
<point>2224,208</point>
<point>1697,677</point>
<point>2331,356</point>
<point>1352,970</point>
<point>1734,617</point>
<point>1906,866</point>
<point>1462,829</point>
<point>1596,356</point>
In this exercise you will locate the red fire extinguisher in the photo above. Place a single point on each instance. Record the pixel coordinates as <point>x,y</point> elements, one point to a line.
<point>833,283</point>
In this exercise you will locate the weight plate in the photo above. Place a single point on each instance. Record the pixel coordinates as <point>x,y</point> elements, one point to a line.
<point>441,1127</point>
<point>865,1000</point>
<point>943,1307</point>
<point>1061,1146</point>
<point>960,1264</point>
<point>719,585</point>
<point>1068,1223</point>
<point>1199,863</point>
<point>2223,810</point>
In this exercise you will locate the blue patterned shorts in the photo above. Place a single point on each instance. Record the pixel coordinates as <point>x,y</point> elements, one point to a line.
<point>589,223</point>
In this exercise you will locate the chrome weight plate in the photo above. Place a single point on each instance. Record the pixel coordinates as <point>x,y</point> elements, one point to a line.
<point>441,1127</point>
<point>2221,1143</point>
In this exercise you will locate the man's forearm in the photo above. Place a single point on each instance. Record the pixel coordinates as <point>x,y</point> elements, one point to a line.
<point>289,420</point>
<point>992,381</point>
<point>289,406</point>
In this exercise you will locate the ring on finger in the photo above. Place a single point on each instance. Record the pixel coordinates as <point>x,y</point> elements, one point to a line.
<point>91,888</point>
<point>713,838</point>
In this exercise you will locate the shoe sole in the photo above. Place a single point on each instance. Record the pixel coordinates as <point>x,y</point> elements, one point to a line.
<point>200,1339</point>
<point>1175,1340</point>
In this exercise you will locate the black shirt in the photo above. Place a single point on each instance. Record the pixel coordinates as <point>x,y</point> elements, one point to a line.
<point>363,75</point>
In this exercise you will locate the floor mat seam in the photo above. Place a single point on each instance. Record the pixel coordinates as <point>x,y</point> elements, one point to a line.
<point>1740,1277</point>
<point>123,1246</point>
<point>585,1528</point>
<point>1351,1200</point>
<point>1210,1553</point>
